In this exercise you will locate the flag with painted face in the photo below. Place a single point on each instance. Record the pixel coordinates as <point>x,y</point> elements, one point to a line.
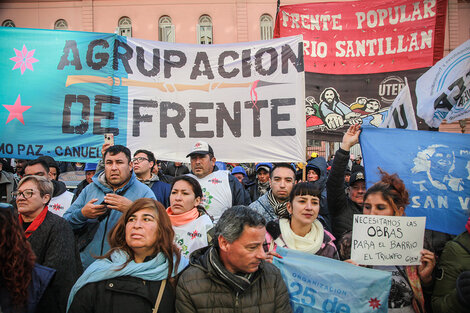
<point>63,90</point>
<point>319,284</point>
<point>434,166</point>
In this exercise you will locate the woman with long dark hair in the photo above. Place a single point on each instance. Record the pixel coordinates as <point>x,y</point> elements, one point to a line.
<point>190,221</point>
<point>389,197</point>
<point>22,282</point>
<point>138,273</point>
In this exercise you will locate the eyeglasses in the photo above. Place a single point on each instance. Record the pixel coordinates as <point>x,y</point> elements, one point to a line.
<point>138,160</point>
<point>27,193</point>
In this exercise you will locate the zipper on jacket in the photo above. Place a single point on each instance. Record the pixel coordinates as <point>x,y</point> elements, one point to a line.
<point>237,300</point>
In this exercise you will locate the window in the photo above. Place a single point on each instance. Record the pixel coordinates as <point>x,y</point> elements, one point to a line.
<point>204,30</point>
<point>266,25</point>
<point>61,24</point>
<point>166,30</point>
<point>8,23</point>
<point>125,26</point>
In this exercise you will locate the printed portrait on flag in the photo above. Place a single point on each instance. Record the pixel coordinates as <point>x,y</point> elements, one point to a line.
<point>434,166</point>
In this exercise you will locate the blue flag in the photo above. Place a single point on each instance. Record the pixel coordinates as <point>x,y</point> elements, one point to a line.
<point>319,284</point>
<point>434,166</point>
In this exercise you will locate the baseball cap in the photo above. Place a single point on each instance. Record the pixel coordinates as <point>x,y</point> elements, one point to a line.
<point>238,170</point>
<point>356,176</point>
<point>264,166</point>
<point>90,167</point>
<point>201,147</point>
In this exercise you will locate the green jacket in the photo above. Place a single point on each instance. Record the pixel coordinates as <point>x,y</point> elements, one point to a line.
<point>454,260</point>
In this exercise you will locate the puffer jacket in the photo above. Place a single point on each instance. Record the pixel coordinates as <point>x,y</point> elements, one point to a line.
<point>123,294</point>
<point>340,206</point>
<point>133,190</point>
<point>201,289</point>
<point>454,261</point>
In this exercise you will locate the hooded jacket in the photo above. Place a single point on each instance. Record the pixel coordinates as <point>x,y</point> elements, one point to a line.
<point>319,163</point>
<point>133,190</point>
<point>201,289</point>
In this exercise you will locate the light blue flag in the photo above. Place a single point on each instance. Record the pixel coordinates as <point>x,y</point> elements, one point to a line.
<point>319,284</point>
<point>43,111</point>
<point>434,166</point>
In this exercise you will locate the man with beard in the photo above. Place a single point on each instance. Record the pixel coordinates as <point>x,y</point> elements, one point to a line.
<point>334,112</point>
<point>104,200</point>
<point>273,204</point>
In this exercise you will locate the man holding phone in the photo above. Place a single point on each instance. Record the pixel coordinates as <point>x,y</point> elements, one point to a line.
<point>104,200</point>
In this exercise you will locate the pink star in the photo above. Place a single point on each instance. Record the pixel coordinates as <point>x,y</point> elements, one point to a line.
<point>16,110</point>
<point>24,59</point>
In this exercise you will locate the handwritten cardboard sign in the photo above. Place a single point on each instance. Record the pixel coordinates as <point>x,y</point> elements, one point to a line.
<point>387,240</point>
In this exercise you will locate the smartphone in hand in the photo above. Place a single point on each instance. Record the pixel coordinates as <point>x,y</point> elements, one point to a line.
<point>109,139</point>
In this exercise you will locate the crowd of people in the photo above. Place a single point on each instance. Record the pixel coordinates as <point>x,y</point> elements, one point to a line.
<point>141,235</point>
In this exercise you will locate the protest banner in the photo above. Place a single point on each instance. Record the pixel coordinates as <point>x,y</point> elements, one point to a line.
<point>401,113</point>
<point>365,37</point>
<point>387,240</point>
<point>443,92</point>
<point>434,166</point>
<point>360,53</point>
<point>64,90</point>
<point>319,284</point>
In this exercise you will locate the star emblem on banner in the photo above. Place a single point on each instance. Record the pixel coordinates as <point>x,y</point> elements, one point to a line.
<point>24,59</point>
<point>374,303</point>
<point>16,110</point>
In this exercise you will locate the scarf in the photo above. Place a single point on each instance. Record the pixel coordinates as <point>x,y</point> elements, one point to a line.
<point>238,282</point>
<point>36,222</point>
<point>263,187</point>
<point>183,218</point>
<point>310,243</point>
<point>280,208</point>
<point>467,226</point>
<point>154,270</point>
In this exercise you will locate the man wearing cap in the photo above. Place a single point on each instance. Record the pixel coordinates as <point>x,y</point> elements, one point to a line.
<point>61,197</point>
<point>261,185</point>
<point>343,204</point>
<point>90,170</point>
<point>220,189</point>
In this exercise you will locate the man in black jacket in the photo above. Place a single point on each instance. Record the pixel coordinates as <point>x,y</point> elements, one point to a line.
<point>232,274</point>
<point>342,205</point>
